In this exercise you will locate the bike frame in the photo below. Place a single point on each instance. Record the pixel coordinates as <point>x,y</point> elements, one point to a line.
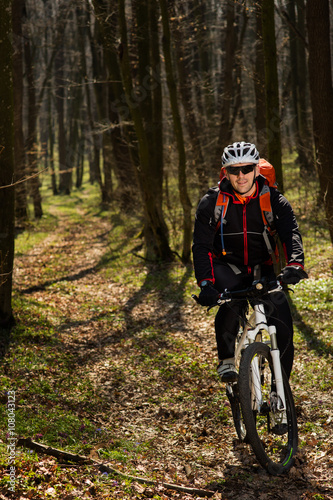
<point>249,336</point>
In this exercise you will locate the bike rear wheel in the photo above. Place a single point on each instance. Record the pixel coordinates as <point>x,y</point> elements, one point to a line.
<point>233,396</point>
<point>275,452</point>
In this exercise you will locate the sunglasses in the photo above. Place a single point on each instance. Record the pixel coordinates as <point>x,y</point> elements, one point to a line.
<point>245,169</point>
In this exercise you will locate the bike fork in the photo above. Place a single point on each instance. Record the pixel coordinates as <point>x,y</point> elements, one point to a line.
<point>275,352</point>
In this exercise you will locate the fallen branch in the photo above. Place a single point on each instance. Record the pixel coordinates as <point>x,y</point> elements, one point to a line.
<point>81,459</point>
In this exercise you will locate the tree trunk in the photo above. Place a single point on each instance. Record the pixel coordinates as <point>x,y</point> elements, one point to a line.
<point>320,77</point>
<point>51,145</point>
<point>31,140</point>
<point>178,131</point>
<point>202,37</point>
<point>6,166</point>
<point>272,90</point>
<point>122,136</point>
<point>64,177</point>
<point>19,150</point>
<point>157,245</point>
<point>306,147</point>
<point>225,133</point>
<point>259,88</point>
<point>200,167</point>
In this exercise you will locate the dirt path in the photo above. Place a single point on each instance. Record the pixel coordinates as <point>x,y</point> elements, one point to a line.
<point>151,361</point>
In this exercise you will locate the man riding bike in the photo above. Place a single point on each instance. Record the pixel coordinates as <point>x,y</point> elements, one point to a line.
<point>232,252</point>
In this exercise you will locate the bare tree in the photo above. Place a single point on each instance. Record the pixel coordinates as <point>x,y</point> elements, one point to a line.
<point>6,165</point>
<point>320,75</point>
<point>272,90</point>
<point>19,149</point>
<point>141,105</point>
<point>178,130</point>
<point>121,132</point>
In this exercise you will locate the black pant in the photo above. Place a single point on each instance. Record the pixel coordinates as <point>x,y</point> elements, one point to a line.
<point>228,316</point>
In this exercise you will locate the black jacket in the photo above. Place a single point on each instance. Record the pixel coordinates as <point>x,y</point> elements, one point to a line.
<point>242,231</point>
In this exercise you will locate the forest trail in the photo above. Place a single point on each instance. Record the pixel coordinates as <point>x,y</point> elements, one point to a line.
<point>147,356</point>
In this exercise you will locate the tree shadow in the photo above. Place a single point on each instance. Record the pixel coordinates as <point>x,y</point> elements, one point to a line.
<point>310,336</point>
<point>5,336</point>
<point>168,292</point>
<point>104,260</point>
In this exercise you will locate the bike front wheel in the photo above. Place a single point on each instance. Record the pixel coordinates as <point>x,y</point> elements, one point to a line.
<point>271,432</point>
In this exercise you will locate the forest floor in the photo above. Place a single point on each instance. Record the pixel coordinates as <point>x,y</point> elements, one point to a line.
<point>111,359</point>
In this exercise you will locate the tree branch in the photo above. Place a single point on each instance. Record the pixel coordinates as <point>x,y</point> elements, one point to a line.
<point>81,459</point>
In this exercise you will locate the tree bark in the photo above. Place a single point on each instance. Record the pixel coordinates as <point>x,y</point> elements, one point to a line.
<point>156,234</point>
<point>6,166</point>
<point>259,87</point>
<point>320,78</point>
<point>225,133</point>
<point>178,131</point>
<point>200,167</point>
<point>64,177</point>
<point>272,90</point>
<point>19,149</point>
<point>122,135</point>
<point>31,140</point>
<point>306,146</point>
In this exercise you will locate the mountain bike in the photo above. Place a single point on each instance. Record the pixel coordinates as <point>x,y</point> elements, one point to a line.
<point>261,401</point>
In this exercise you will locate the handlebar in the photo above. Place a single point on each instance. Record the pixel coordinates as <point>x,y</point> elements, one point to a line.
<point>257,289</point>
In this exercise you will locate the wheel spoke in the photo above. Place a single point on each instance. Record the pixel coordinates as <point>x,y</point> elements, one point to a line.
<point>271,432</point>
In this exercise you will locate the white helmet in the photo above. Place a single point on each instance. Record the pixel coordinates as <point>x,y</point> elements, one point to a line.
<point>239,152</point>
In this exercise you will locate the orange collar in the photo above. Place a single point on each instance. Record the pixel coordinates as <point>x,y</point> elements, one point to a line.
<point>245,199</point>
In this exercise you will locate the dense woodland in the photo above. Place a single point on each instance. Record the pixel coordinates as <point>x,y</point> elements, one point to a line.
<point>114,115</point>
<point>145,94</point>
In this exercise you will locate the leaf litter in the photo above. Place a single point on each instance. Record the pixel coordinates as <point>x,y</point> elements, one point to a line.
<point>148,360</point>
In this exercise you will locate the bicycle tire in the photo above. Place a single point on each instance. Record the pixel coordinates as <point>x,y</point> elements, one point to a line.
<point>233,396</point>
<point>276,453</point>
<point>232,390</point>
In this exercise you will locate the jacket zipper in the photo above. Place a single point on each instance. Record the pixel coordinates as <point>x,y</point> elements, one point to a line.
<point>246,254</point>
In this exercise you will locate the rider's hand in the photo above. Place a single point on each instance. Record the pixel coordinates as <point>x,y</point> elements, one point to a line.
<point>290,275</point>
<point>208,295</point>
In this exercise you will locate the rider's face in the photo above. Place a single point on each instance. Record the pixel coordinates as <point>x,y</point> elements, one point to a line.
<point>242,183</point>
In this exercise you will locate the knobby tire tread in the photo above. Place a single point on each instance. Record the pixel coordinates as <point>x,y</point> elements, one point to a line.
<point>273,467</point>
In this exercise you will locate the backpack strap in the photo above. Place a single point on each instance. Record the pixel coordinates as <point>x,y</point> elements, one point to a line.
<point>268,219</point>
<point>220,211</point>
<point>221,206</point>
<point>266,207</point>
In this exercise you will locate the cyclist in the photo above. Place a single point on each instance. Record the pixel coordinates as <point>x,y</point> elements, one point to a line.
<point>246,252</point>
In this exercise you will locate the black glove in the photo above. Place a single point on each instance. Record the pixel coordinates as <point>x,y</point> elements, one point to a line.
<point>208,295</point>
<point>290,275</point>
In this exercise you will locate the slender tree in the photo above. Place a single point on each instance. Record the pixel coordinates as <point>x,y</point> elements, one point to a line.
<point>32,108</point>
<point>272,90</point>
<point>139,98</point>
<point>320,74</point>
<point>306,150</point>
<point>299,83</point>
<point>259,86</point>
<point>6,165</point>
<point>178,130</point>
<point>19,149</point>
<point>122,135</point>
<point>225,132</point>
<point>185,87</point>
